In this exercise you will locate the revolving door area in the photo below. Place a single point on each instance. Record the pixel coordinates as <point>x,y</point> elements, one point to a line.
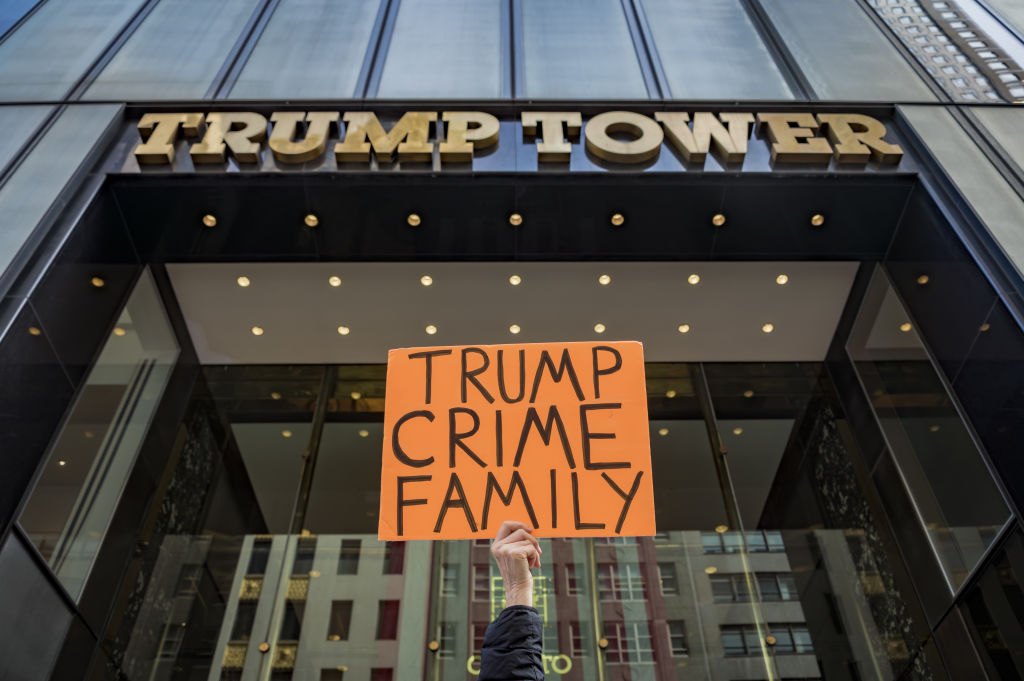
<point>808,527</point>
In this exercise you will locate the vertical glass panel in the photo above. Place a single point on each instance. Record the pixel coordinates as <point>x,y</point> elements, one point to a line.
<point>713,51</point>
<point>992,610</point>
<point>953,492</point>
<point>13,10</point>
<point>54,47</point>
<point>444,49</point>
<point>310,49</point>
<point>68,510</point>
<point>18,124</point>
<point>812,559</point>
<point>176,52</point>
<point>579,49</point>
<point>843,53</point>
<point>40,179</point>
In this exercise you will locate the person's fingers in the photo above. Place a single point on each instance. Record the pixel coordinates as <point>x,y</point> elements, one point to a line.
<point>522,549</point>
<point>518,535</point>
<point>508,527</point>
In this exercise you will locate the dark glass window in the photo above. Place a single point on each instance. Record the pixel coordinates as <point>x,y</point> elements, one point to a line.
<point>449,580</point>
<point>479,631</point>
<point>259,556</point>
<point>572,579</point>
<point>481,583</point>
<point>669,581</point>
<point>348,560</point>
<point>677,638</point>
<point>394,557</point>
<point>578,638</point>
<point>387,620</point>
<point>244,618</point>
<point>305,552</point>
<point>446,639</point>
<point>382,674</point>
<point>291,623</point>
<point>341,619</point>
<point>332,675</point>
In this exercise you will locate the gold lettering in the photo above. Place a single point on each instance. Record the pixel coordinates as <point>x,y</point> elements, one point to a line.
<point>555,126</point>
<point>786,132</point>
<point>159,133</point>
<point>730,140</point>
<point>409,135</point>
<point>282,137</point>
<point>461,139</point>
<point>856,137</point>
<point>645,145</point>
<point>242,131</point>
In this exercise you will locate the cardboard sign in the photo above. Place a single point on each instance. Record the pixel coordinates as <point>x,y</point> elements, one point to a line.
<point>551,434</point>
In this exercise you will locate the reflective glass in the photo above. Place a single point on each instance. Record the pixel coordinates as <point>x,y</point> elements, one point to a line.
<point>42,176</point>
<point>444,49</point>
<point>175,53</point>
<point>992,611</point>
<point>310,49</point>
<point>712,51</point>
<point>18,124</point>
<point>71,505</point>
<point>953,492</point>
<point>53,48</point>
<point>843,54</point>
<point>579,49</point>
<point>11,11</point>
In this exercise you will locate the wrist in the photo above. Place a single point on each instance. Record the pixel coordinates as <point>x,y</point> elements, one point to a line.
<point>520,594</point>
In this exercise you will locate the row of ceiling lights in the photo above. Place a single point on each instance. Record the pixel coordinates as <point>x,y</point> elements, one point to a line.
<point>515,219</point>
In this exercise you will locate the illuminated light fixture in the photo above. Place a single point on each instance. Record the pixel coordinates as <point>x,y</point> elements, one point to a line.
<point>364,433</point>
<point>118,331</point>
<point>737,431</point>
<point>334,281</point>
<point>934,429</point>
<point>344,330</point>
<point>514,329</point>
<point>62,463</point>
<point>905,327</point>
<point>782,280</point>
<point>286,433</point>
<point>431,329</point>
<point>618,220</point>
<point>355,395</point>
<point>663,431</point>
<point>670,393</point>
<point>768,328</point>
<point>311,220</point>
<point>334,637</point>
<point>426,280</point>
<point>604,280</point>
<point>515,219</point>
<point>721,529</point>
<point>275,395</point>
<point>683,328</point>
<point>413,220</point>
<point>599,328</point>
<point>748,393</point>
<point>98,282</point>
<point>209,220</point>
<point>718,219</point>
<point>694,279</point>
<point>985,327</point>
<point>243,281</point>
<point>710,570</point>
<point>35,331</point>
<point>89,435</point>
<point>314,574</point>
<point>257,330</point>
<point>923,279</point>
<point>515,280</point>
<point>817,220</point>
<point>770,640</point>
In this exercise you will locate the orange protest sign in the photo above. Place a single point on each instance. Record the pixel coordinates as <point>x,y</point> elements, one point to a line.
<point>550,434</point>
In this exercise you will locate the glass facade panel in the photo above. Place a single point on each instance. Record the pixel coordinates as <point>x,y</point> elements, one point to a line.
<point>18,124</point>
<point>992,610</point>
<point>579,49</point>
<point>843,54</point>
<point>713,51</point>
<point>936,455</point>
<point>310,49</point>
<point>54,47</point>
<point>43,174</point>
<point>175,53</point>
<point>13,10</point>
<point>444,49</point>
<point>70,507</point>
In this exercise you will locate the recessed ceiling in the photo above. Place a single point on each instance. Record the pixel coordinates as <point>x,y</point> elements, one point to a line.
<point>385,305</point>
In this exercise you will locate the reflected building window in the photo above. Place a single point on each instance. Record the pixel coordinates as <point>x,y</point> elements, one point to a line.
<point>305,553</point>
<point>669,580</point>
<point>291,624</point>
<point>733,588</point>
<point>573,587</point>
<point>348,559</point>
<point>446,640</point>
<point>259,557</point>
<point>382,674</point>
<point>677,638</point>
<point>742,639</point>
<point>332,675</point>
<point>623,582</point>
<point>758,541</point>
<point>479,631</point>
<point>341,620</point>
<point>481,583</point>
<point>394,557</point>
<point>579,639</point>
<point>449,580</point>
<point>628,643</point>
<point>387,621</point>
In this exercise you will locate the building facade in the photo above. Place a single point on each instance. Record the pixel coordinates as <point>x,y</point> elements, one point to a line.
<point>216,218</point>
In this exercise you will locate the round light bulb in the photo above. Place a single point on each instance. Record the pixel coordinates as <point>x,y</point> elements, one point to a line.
<point>275,395</point>
<point>257,330</point>
<point>431,329</point>
<point>515,219</point>
<point>663,431</point>
<point>286,433</point>
<point>694,279</point>
<point>748,393</point>
<point>334,281</point>
<point>355,395</point>
<point>426,280</point>
<point>243,281</point>
<point>782,280</point>
<point>209,220</point>
<point>344,330</point>
<point>683,328</point>
<point>923,279</point>
<point>311,220</point>
<point>710,570</point>
<point>905,327</point>
<point>515,280</point>
<point>721,529</point>
<point>670,393</point>
<point>413,220</point>
<point>97,282</point>
<point>599,328</point>
<point>364,433</point>
<point>514,328</point>
<point>604,280</point>
<point>737,431</point>
<point>768,328</point>
<point>62,463</point>
<point>118,331</point>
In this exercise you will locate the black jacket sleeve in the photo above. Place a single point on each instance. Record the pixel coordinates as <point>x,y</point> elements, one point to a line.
<point>512,646</point>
